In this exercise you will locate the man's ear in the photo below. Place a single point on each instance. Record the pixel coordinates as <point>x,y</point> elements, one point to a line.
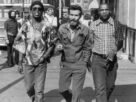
<point>98,12</point>
<point>110,12</point>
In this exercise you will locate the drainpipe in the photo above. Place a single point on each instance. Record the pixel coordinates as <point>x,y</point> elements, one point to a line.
<point>60,7</point>
<point>22,8</point>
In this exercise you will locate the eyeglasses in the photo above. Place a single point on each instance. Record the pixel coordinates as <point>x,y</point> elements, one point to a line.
<point>36,9</point>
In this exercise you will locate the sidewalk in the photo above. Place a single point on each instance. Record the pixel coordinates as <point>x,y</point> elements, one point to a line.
<point>12,85</point>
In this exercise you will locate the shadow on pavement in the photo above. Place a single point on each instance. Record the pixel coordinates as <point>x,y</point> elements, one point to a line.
<point>54,96</point>
<point>122,93</point>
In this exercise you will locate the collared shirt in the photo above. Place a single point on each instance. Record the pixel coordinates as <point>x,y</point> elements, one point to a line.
<point>105,36</point>
<point>52,20</point>
<point>36,40</point>
<point>11,27</point>
<point>73,48</point>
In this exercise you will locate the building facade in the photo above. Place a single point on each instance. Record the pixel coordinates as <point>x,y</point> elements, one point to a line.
<point>127,12</point>
<point>6,5</point>
<point>85,4</point>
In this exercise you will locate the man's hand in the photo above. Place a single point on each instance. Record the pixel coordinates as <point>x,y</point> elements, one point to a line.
<point>110,65</point>
<point>111,55</point>
<point>59,47</point>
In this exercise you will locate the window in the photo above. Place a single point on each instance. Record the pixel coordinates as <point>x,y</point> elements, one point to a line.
<point>7,1</point>
<point>78,1</point>
<point>1,1</point>
<point>72,1</point>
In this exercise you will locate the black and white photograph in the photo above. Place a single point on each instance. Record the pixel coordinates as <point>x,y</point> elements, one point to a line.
<point>67,50</point>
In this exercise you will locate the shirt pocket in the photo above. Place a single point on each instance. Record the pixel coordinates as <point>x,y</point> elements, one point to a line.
<point>79,40</point>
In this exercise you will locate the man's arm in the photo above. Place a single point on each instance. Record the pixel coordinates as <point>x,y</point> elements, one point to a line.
<point>118,35</point>
<point>22,32</point>
<point>54,22</point>
<point>51,42</point>
<point>58,45</point>
<point>118,40</point>
<point>87,47</point>
<point>6,31</point>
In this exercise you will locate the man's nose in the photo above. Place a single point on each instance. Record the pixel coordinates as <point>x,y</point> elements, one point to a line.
<point>37,12</point>
<point>73,17</point>
<point>104,11</point>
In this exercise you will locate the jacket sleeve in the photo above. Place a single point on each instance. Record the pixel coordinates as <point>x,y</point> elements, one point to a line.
<point>118,40</point>
<point>58,43</point>
<point>119,37</point>
<point>6,29</point>
<point>87,47</point>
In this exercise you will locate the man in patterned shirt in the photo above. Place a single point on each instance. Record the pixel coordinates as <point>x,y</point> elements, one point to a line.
<point>37,51</point>
<point>107,41</point>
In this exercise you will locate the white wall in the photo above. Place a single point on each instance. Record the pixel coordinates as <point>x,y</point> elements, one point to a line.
<point>127,12</point>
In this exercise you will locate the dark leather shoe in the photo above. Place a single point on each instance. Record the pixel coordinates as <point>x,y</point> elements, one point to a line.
<point>11,65</point>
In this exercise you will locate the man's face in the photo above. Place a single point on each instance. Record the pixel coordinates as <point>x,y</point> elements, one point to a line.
<point>50,11</point>
<point>37,11</point>
<point>104,12</point>
<point>74,16</point>
<point>17,16</point>
<point>65,14</point>
<point>13,15</point>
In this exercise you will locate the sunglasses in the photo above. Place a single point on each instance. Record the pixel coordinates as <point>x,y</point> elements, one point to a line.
<point>37,9</point>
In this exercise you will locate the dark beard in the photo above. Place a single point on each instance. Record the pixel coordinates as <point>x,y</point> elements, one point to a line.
<point>74,26</point>
<point>38,19</point>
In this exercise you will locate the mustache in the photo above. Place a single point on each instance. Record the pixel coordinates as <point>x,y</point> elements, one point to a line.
<point>73,20</point>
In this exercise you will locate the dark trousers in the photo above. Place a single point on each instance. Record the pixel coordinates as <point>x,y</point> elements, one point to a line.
<point>74,72</point>
<point>15,56</point>
<point>104,77</point>
<point>12,55</point>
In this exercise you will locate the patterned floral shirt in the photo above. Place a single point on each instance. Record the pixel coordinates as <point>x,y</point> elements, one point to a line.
<point>36,39</point>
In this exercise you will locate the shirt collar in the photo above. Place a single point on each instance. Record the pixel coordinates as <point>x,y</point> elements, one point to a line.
<point>110,21</point>
<point>48,16</point>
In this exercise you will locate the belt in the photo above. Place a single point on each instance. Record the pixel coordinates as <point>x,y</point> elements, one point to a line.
<point>104,56</point>
<point>10,34</point>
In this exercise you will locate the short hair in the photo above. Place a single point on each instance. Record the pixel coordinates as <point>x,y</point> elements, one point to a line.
<point>75,7</point>
<point>50,8</point>
<point>104,4</point>
<point>37,3</point>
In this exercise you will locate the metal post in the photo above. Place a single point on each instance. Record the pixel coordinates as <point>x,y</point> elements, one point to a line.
<point>60,6</point>
<point>22,8</point>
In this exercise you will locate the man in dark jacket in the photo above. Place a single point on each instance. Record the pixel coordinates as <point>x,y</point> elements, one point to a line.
<point>76,40</point>
<point>11,28</point>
